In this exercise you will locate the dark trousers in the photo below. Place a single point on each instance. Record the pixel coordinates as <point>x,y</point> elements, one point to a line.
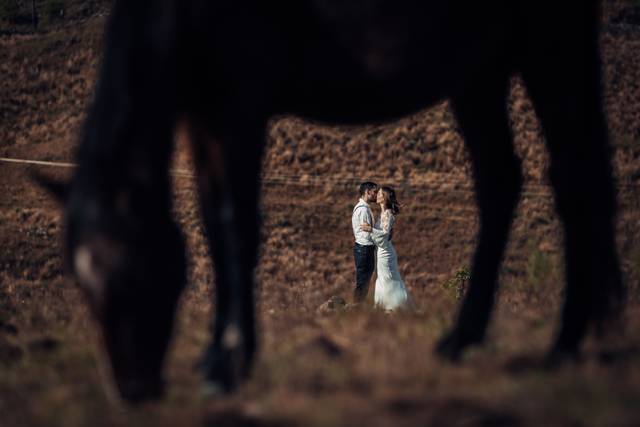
<point>365,258</point>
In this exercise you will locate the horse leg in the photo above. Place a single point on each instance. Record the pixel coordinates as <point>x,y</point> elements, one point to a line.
<point>228,177</point>
<point>565,85</point>
<point>123,245</point>
<point>482,117</point>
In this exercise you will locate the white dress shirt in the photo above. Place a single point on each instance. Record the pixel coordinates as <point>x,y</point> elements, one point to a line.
<point>362,215</point>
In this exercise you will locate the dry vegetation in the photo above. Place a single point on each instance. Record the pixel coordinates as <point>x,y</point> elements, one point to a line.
<point>320,369</point>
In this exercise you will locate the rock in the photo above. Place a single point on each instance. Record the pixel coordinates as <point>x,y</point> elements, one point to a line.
<point>333,304</point>
<point>354,306</point>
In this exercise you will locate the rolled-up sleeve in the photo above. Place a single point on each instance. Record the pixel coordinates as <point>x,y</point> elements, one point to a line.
<point>364,216</point>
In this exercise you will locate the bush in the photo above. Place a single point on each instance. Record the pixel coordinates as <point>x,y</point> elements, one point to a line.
<point>458,284</point>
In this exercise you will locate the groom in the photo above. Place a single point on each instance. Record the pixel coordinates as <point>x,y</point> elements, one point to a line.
<point>364,249</point>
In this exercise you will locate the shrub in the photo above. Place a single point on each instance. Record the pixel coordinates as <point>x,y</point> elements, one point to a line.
<point>458,284</point>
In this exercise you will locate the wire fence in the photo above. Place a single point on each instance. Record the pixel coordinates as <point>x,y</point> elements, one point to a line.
<point>432,182</point>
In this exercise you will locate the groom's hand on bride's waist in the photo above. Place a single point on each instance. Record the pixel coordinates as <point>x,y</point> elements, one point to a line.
<point>365,227</point>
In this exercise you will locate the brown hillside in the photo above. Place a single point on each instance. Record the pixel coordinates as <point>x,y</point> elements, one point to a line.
<point>333,367</point>
<point>47,79</point>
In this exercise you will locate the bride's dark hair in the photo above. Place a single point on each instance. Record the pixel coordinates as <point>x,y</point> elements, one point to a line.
<point>390,200</point>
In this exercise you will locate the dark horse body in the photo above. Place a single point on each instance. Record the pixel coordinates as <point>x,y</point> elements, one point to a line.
<point>228,66</point>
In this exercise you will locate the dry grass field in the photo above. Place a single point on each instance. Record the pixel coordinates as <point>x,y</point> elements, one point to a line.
<point>342,367</point>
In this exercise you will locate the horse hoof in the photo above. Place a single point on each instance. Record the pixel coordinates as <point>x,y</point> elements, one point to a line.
<point>452,346</point>
<point>560,357</point>
<point>213,390</point>
<point>225,369</point>
<point>136,392</point>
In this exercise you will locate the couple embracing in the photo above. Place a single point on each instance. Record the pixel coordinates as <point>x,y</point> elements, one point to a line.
<point>373,248</point>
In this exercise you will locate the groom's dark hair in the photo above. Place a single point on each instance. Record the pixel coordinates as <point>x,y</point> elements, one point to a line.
<point>366,186</point>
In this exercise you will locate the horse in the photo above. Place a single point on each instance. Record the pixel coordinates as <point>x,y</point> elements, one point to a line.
<point>226,67</point>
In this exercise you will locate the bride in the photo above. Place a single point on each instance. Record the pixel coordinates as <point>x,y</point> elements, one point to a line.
<point>390,292</point>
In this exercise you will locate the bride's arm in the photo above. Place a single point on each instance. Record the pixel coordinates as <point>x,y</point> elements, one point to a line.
<point>380,235</point>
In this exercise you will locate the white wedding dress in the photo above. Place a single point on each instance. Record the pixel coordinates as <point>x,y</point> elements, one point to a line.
<point>390,292</point>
